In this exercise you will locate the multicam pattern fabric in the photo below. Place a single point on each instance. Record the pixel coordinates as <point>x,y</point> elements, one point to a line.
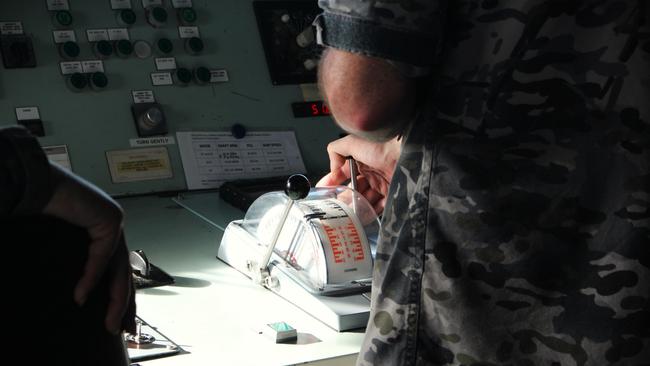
<point>518,226</point>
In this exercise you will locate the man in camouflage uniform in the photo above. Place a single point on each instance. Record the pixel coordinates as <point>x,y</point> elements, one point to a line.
<point>517,226</point>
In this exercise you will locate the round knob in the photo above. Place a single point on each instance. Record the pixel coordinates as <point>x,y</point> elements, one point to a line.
<point>69,50</point>
<point>157,16</point>
<point>183,75</point>
<point>124,48</point>
<point>63,18</point>
<point>194,45</point>
<point>103,49</point>
<point>165,45</point>
<point>297,187</point>
<point>151,118</point>
<point>77,82</point>
<point>238,131</point>
<point>126,17</point>
<point>202,75</point>
<point>187,15</point>
<point>98,80</point>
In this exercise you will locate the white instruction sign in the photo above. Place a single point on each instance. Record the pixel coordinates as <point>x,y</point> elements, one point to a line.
<point>96,35</point>
<point>189,32</point>
<point>120,4</point>
<point>58,154</point>
<point>117,34</point>
<point>153,141</point>
<point>92,66</point>
<point>71,67</point>
<point>133,165</point>
<point>9,28</point>
<point>54,5</point>
<point>161,78</point>
<point>212,158</point>
<point>27,113</point>
<point>63,36</point>
<point>218,76</point>
<point>165,63</point>
<point>143,96</point>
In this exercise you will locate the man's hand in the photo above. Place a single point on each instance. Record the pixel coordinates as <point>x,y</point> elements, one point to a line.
<point>80,203</point>
<point>376,163</point>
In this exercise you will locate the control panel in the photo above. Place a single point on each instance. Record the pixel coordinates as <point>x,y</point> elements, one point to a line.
<point>102,81</point>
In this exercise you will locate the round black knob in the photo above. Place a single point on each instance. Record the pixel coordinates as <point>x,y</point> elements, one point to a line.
<point>297,187</point>
<point>238,131</point>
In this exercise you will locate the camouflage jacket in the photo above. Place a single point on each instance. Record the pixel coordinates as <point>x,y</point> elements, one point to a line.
<point>517,230</point>
<point>24,173</point>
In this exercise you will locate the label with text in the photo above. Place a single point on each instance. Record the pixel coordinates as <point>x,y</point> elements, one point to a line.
<point>58,154</point>
<point>161,78</point>
<point>71,67</point>
<point>96,35</point>
<point>132,165</point>
<point>63,36</point>
<point>189,32</point>
<point>116,34</point>
<point>143,96</point>
<point>166,63</point>
<point>27,113</point>
<point>11,28</point>
<point>92,66</point>
<point>219,76</point>
<point>152,141</point>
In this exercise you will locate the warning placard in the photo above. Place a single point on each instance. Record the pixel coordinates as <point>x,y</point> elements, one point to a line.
<point>133,165</point>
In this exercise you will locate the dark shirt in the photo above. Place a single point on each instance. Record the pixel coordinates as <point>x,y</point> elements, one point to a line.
<point>518,229</point>
<point>24,173</point>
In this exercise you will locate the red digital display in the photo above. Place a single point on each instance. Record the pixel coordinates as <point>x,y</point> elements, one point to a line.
<point>310,109</point>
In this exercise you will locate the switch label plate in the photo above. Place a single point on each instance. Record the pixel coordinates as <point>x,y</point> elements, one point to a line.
<point>219,76</point>
<point>182,3</point>
<point>143,96</point>
<point>71,67</point>
<point>165,63</point>
<point>189,32</point>
<point>161,78</point>
<point>133,165</point>
<point>148,3</point>
<point>10,28</point>
<point>92,66</point>
<point>63,36</point>
<point>96,35</point>
<point>27,113</point>
<point>116,34</point>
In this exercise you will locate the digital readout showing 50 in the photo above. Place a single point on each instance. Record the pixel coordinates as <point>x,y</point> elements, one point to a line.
<point>310,109</point>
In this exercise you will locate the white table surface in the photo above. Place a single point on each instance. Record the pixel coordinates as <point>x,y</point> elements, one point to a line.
<point>212,311</point>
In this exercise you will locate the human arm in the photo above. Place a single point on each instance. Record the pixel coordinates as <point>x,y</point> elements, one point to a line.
<point>29,184</point>
<point>376,163</point>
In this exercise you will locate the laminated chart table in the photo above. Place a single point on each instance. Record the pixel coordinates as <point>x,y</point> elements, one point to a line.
<point>212,158</point>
